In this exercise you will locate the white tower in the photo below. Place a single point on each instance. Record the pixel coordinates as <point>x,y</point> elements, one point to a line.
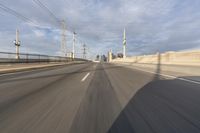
<point>17,44</point>
<point>124,44</point>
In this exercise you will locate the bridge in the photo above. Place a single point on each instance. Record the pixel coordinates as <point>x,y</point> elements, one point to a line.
<point>99,66</point>
<point>89,97</point>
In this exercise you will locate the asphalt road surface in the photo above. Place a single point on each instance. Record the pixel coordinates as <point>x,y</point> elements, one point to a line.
<point>97,98</point>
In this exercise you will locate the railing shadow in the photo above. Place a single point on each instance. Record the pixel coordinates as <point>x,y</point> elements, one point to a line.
<point>158,67</point>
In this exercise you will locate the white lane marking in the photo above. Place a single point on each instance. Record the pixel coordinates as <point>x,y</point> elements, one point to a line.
<point>170,76</point>
<point>85,77</point>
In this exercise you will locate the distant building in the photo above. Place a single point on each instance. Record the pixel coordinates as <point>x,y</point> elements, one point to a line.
<point>103,58</point>
<point>120,55</point>
<point>97,58</point>
<point>114,56</point>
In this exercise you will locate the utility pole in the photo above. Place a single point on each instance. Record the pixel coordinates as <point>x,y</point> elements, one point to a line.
<point>17,44</point>
<point>63,38</point>
<point>73,49</point>
<point>124,44</point>
<point>84,51</point>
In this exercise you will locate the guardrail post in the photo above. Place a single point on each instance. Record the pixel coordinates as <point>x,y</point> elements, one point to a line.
<point>48,59</point>
<point>39,58</point>
<point>27,61</point>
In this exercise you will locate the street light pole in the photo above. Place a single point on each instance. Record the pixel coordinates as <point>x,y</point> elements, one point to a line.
<point>63,42</point>
<point>73,49</point>
<point>124,44</point>
<point>84,51</point>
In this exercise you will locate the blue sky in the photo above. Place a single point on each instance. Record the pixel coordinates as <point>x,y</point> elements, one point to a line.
<point>151,25</point>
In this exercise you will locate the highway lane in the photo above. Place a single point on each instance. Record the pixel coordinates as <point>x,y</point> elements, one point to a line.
<point>97,98</point>
<point>42,101</point>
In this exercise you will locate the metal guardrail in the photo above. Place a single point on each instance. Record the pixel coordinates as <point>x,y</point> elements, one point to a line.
<point>7,57</point>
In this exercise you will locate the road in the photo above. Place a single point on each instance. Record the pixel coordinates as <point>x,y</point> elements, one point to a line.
<point>97,98</point>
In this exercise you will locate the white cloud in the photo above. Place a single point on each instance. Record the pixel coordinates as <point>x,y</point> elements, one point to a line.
<point>39,33</point>
<point>152,25</point>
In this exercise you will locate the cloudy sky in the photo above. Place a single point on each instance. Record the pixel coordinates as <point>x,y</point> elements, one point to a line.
<point>151,25</point>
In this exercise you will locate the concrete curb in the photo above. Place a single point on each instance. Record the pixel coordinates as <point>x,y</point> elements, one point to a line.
<point>20,69</point>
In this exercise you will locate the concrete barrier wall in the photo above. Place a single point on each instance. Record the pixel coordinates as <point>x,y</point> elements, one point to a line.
<point>174,58</point>
<point>176,70</point>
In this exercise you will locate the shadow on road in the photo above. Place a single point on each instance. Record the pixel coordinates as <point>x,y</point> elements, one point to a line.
<point>158,67</point>
<point>161,106</point>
